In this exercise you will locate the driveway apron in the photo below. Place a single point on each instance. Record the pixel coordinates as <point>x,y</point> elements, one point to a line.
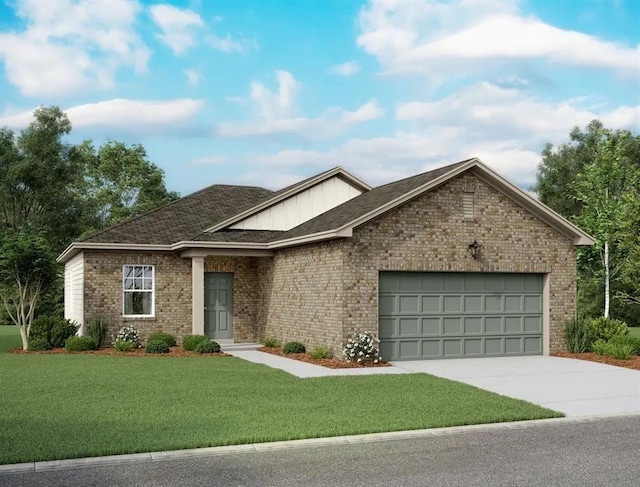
<point>574,387</point>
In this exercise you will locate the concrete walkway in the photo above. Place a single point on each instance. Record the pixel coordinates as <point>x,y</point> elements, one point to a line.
<point>574,387</point>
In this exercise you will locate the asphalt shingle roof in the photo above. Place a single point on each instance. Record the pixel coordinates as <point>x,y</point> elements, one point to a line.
<point>187,219</point>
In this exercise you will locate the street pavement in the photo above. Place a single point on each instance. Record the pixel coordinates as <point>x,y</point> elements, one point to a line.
<point>602,452</point>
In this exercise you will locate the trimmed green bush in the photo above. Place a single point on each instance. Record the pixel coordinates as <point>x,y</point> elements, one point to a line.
<point>293,347</point>
<point>321,352</point>
<point>80,344</point>
<point>270,342</point>
<point>579,335</point>
<point>124,345</point>
<point>633,341</point>
<point>168,338</point>
<point>190,342</point>
<point>157,346</point>
<point>208,347</point>
<point>53,329</point>
<point>97,328</point>
<point>606,328</point>
<point>621,351</point>
<point>39,344</point>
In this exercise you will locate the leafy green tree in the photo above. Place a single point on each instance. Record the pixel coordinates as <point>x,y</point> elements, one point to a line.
<point>27,267</point>
<point>594,181</point>
<point>121,182</point>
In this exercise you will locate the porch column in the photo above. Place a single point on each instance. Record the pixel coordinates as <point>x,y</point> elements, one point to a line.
<point>197,291</point>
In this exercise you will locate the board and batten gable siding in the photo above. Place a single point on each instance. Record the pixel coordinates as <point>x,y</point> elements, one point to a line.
<point>301,207</point>
<point>74,290</point>
<point>432,233</point>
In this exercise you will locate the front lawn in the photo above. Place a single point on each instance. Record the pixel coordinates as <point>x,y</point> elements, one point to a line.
<point>634,331</point>
<point>68,406</point>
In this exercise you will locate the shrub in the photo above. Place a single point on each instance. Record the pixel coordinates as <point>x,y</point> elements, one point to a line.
<point>39,344</point>
<point>579,336</point>
<point>52,329</point>
<point>633,341</point>
<point>80,344</point>
<point>606,328</point>
<point>124,345</point>
<point>622,351</point>
<point>190,342</point>
<point>293,347</point>
<point>321,352</point>
<point>168,338</point>
<point>270,342</point>
<point>129,334</point>
<point>362,347</point>
<point>97,328</point>
<point>157,346</point>
<point>599,347</point>
<point>208,347</point>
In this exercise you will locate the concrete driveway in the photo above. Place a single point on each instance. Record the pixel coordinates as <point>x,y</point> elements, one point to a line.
<point>574,387</point>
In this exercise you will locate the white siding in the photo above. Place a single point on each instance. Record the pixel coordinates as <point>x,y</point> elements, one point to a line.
<point>301,207</point>
<point>74,290</point>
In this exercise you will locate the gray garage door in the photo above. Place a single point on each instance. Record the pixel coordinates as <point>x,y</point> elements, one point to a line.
<point>428,315</point>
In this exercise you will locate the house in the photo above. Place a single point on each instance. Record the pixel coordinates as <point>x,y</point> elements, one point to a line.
<point>455,262</point>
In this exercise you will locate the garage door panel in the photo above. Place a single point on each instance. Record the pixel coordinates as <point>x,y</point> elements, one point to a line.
<point>452,304</point>
<point>408,304</point>
<point>473,325</point>
<point>431,326</point>
<point>452,326</point>
<point>493,303</point>
<point>447,315</point>
<point>493,325</point>
<point>473,304</point>
<point>431,304</point>
<point>409,327</point>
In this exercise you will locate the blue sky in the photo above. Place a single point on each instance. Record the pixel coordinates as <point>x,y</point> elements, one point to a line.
<point>269,92</point>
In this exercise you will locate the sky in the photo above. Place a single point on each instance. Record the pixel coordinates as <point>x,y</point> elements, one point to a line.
<point>268,92</point>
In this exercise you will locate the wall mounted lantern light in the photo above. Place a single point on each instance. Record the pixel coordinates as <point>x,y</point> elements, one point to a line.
<point>475,249</point>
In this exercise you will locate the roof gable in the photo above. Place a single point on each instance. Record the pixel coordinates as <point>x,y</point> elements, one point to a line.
<point>297,203</point>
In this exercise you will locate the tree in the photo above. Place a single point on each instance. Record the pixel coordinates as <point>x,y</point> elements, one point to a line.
<point>121,182</point>
<point>38,174</point>
<point>594,181</point>
<point>27,267</point>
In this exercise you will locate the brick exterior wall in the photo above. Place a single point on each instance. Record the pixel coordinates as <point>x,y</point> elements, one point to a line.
<point>305,299</point>
<point>103,291</point>
<point>431,233</point>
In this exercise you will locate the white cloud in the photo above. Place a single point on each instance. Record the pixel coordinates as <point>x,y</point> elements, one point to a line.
<point>69,46</point>
<point>276,113</point>
<point>136,116</point>
<point>193,76</point>
<point>345,69</point>
<point>505,127</point>
<point>435,38</point>
<point>178,26</point>
<point>229,44</point>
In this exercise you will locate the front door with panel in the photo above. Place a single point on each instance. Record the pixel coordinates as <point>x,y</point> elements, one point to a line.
<point>218,305</point>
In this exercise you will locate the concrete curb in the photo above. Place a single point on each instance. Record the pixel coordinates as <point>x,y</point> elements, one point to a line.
<point>286,445</point>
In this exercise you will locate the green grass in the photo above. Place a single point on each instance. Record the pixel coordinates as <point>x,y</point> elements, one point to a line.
<point>73,405</point>
<point>635,331</point>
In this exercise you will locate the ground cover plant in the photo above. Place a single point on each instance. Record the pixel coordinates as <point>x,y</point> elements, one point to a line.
<point>115,405</point>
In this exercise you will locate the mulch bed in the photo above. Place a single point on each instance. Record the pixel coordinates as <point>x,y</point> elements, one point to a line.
<point>332,363</point>
<point>632,363</point>
<point>140,352</point>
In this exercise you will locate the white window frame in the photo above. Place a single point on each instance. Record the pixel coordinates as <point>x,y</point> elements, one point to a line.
<point>152,291</point>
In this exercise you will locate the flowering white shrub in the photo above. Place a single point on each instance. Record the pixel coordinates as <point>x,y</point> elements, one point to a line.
<point>128,334</point>
<point>362,347</point>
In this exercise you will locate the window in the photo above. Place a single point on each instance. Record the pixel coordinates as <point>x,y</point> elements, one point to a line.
<point>138,290</point>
